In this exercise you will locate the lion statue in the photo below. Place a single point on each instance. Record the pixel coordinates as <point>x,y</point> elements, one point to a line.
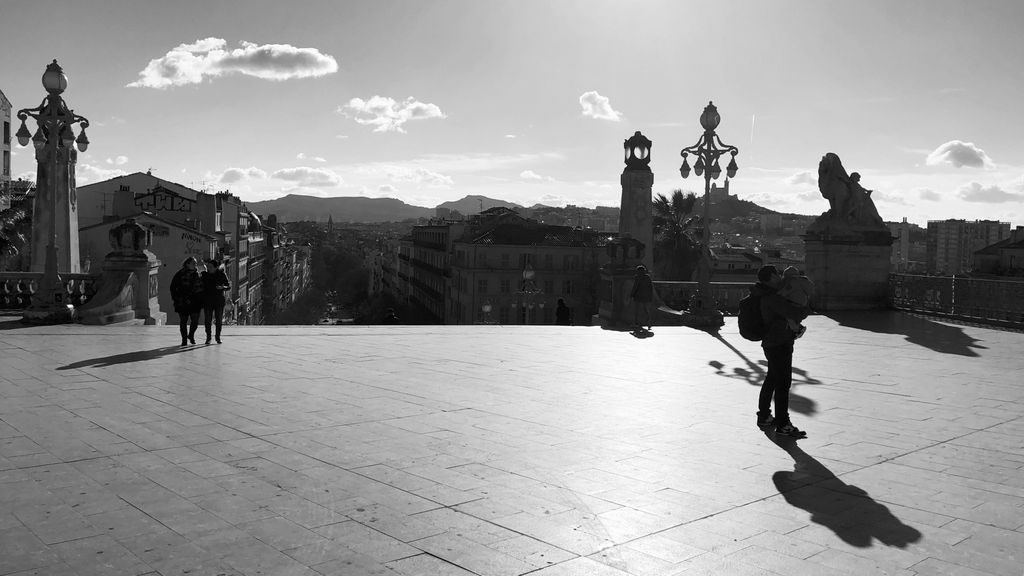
<point>850,203</point>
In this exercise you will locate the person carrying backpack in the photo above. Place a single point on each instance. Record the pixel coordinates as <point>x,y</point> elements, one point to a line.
<point>777,342</point>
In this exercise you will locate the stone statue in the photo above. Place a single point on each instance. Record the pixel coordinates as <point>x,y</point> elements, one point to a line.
<point>851,205</point>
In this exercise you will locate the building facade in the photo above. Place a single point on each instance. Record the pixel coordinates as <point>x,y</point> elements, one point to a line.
<point>5,150</point>
<point>951,244</point>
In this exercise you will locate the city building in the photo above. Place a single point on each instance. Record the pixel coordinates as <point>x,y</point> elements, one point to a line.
<point>240,235</point>
<point>899,259</point>
<point>5,149</point>
<point>951,244</point>
<point>287,268</point>
<point>1004,258</point>
<point>172,242</point>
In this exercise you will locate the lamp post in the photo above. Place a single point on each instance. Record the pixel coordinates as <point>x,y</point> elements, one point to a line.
<point>708,150</point>
<point>528,293</point>
<point>486,309</point>
<point>53,142</point>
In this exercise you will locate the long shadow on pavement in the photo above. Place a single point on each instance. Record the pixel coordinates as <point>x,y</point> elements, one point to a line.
<point>847,510</point>
<point>126,358</point>
<point>754,372</point>
<point>918,330</point>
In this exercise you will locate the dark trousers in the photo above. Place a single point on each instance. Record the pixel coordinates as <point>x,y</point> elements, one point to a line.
<point>777,382</point>
<point>187,324</point>
<point>213,315</point>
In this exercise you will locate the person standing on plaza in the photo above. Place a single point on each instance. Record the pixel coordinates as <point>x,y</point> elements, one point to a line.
<point>642,295</point>
<point>777,342</point>
<point>187,295</point>
<point>563,315</point>
<point>215,282</point>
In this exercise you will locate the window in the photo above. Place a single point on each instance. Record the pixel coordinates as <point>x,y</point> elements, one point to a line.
<point>549,286</point>
<point>503,315</point>
<point>505,260</point>
<point>524,259</point>
<point>506,285</point>
<point>549,261</point>
<point>567,287</point>
<point>481,286</point>
<point>7,132</point>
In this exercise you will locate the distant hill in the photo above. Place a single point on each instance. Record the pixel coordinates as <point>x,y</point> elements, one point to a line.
<point>295,207</point>
<point>476,204</point>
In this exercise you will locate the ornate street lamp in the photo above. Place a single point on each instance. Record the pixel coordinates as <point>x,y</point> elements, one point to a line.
<point>708,150</point>
<point>53,142</point>
<point>526,296</point>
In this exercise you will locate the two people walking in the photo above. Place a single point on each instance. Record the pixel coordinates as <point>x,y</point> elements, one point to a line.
<point>192,292</point>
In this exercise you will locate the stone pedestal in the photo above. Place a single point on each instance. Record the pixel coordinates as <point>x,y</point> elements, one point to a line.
<point>617,282</point>
<point>129,284</point>
<point>636,218</point>
<point>850,269</point>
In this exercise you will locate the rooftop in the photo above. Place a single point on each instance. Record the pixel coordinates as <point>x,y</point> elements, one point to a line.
<point>507,450</point>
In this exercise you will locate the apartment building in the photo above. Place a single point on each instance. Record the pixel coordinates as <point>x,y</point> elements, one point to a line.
<point>951,244</point>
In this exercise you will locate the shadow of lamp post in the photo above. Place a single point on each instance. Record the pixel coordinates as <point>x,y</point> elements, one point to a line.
<point>56,159</point>
<point>708,150</point>
<point>526,297</point>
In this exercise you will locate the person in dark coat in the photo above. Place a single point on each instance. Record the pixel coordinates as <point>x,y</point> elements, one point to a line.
<point>187,295</point>
<point>215,283</point>
<point>777,342</point>
<point>563,314</point>
<point>642,296</point>
<point>390,317</point>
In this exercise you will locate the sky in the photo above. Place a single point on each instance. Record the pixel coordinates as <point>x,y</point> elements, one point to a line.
<point>529,101</point>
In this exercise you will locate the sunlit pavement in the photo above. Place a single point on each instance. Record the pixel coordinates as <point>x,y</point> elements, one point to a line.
<point>506,450</point>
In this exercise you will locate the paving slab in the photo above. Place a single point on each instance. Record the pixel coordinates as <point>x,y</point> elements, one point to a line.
<point>509,450</point>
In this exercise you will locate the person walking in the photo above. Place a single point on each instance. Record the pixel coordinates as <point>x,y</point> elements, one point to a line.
<point>777,343</point>
<point>563,315</point>
<point>215,282</point>
<point>187,295</point>
<point>642,294</point>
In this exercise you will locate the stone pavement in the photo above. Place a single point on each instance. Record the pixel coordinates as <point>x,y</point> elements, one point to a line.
<point>507,450</point>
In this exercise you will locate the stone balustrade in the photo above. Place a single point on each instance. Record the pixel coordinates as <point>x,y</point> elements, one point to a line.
<point>17,288</point>
<point>727,295</point>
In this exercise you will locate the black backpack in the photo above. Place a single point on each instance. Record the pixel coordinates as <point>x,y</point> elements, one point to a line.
<point>750,320</point>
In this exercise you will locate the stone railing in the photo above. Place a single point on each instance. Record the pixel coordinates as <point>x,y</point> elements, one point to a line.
<point>727,295</point>
<point>998,302</point>
<point>17,288</point>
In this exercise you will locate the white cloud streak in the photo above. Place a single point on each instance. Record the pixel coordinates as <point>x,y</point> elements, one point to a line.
<point>975,192</point>
<point>308,177</point>
<point>209,58</point>
<point>232,175</point>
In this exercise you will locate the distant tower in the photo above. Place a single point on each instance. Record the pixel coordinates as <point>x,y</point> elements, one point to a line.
<point>636,212</point>
<point>330,223</point>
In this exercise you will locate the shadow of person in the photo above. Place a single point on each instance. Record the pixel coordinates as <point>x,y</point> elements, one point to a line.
<point>753,373</point>
<point>126,358</point>
<point>847,510</point>
<point>917,330</point>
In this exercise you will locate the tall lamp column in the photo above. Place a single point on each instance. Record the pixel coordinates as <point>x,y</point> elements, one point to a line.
<point>53,141</point>
<point>708,150</point>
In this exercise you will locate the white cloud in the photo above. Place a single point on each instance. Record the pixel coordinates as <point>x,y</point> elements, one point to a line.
<point>532,176</point>
<point>118,161</point>
<point>975,192</point>
<point>803,177</point>
<point>89,173</point>
<point>302,156</point>
<point>309,177</point>
<point>959,154</point>
<point>598,107</point>
<point>511,136</point>
<point>388,115</point>
<point>387,188</point>
<point>208,58</point>
<point>928,194</point>
<point>420,176</point>
<point>232,175</point>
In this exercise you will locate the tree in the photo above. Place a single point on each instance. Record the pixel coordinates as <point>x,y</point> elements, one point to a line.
<point>14,224</point>
<point>676,236</point>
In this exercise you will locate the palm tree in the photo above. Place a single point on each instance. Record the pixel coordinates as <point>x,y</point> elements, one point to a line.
<point>677,236</point>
